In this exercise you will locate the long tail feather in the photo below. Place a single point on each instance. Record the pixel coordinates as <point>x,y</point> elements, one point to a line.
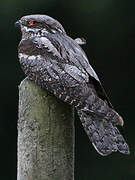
<point>103,134</point>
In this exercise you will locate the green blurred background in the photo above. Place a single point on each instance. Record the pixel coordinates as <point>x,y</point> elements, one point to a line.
<point>109,28</point>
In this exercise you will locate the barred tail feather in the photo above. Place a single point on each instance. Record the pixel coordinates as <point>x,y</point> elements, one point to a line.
<point>103,134</point>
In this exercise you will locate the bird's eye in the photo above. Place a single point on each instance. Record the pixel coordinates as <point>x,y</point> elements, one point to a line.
<point>31,23</point>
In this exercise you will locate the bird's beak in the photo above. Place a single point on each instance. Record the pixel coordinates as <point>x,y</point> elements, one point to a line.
<point>18,24</point>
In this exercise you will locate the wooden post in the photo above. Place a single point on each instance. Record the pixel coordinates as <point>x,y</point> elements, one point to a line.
<point>45,135</point>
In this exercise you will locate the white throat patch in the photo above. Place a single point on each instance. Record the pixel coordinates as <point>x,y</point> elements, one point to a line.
<point>28,29</point>
<point>35,31</point>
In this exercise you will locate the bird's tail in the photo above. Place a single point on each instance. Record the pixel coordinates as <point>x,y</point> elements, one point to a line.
<point>103,133</point>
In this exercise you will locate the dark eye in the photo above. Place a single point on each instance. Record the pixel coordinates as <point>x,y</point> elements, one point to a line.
<point>31,23</point>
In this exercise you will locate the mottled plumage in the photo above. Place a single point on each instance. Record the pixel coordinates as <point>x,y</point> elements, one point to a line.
<point>53,60</point>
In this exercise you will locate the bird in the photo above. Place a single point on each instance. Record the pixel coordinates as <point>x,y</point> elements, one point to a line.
<point>56,62</point>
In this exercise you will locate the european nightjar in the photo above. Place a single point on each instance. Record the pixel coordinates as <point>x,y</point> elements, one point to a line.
<point>55,61</point>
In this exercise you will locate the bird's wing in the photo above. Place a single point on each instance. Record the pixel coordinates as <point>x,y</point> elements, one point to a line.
<point>56,67</point>
<point>78,57</point>
<point>71,62</point>
<point>68,53</point>
<point>64,66</point>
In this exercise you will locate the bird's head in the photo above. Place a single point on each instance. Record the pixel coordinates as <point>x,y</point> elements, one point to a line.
<point>38,25</point>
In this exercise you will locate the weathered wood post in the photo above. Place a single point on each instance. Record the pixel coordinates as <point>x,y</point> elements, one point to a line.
<point>45,135</point>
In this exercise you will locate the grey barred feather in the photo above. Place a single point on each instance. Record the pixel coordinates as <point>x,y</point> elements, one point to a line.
<point>104,136</point>
<point>53,60</point>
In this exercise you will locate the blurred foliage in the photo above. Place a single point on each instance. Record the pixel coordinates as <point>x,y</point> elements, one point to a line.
<point>109,28</point>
